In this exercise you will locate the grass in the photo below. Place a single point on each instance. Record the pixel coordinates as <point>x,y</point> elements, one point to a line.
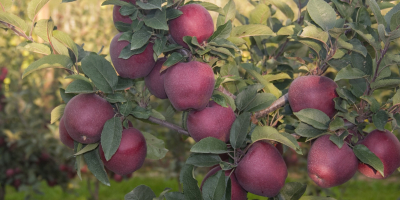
<point>356,189</point>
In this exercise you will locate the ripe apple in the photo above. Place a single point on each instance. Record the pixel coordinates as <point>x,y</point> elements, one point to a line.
<point>3,74</point>
<point>195,21</point>
<point>137,66</point>
<point>16,183</point>
<point>189,85</point>
<point>117,17</point>
<point>64,136</point>
<point>262,171</point>
<point>51,182</point>
<point>237,192</point>
<point>10,173</point>
<point>117,178</point>
<point>213,121</point>
<point>130,154</point>
<point>155,80</point>
<point>328,165</point>
<point>85,116</point>
<point>315,92</point>
<point>386,146</point>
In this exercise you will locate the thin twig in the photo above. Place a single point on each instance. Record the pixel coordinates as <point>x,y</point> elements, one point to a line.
<point>226,92</point>
<point>169,125</point>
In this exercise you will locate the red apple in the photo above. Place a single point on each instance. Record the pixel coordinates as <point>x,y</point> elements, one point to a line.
<point>195,21</point>
<point>155,80</point>
<point>237,192</point>
<point>328,165</point>
<point>189,85</point>
<point>130,154</point>
<point>10,173</point>
<point>117,17</point>
<point>117,178</point>
<point>3,74</point>
<point>137,66</point>
<point>213,121</point>
<point>315,92</point>
<point>85,116</point>
<point>64,136</point>
<point>262,171</point>
<point>386,146</point>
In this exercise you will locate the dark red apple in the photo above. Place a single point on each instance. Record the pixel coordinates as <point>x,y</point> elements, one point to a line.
<point>117,178</point>
<point>64,136</point>
<point>137,66</point>
<point>315,92</point>
<point>386,146</point>
<point>117,17</point>
<point>213,121</point>
<point>16,183</point>
<point>51,182</point>
<point>262,171</point>
<point>10,173</point>
<point>85,116</point>
<point>63,168</point>
<point>155,80</point>
<point>130,154</point>
<point>3,74</point>
<point>189,85</point>
<point>328,165</point>
<point>237,192</point>
<point>195,21</point>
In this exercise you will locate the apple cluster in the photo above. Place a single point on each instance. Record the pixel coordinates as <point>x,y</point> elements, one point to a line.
<point>327,164</point>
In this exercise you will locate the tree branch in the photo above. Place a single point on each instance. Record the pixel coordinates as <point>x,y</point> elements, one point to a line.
<point>169,125</point>
<point>274,106</point>
<point>226,92</point>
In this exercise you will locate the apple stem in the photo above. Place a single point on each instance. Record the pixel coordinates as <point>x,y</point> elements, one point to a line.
<point>169,125</point>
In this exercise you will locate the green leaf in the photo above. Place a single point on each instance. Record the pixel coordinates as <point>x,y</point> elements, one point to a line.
<point>111,137</point>
<point>87,148</point>
<point>322,14</point>
<point>260,102</point>
<point>380,119</point>
<point>116,3</point>
<point>284,7</point>
<point>246,96</point>
<point>95,165</point>
<point>34,6</point>
<point>222,31</point>
<point>157,21</point>
<point>385,83</point>
<point>374,105</point>
<point>79,86</point>
<point>366,156</point>
<point>260,14</point>
<point>251,30</point>
<point>140,39</point>
<point>337,140</point>
<point>150,5</point>
<point>116,98</point>
<point>219,99</point>
<point>123,83</point>
<point>270,133</point>
<point>157,115</point>
<point>57,113</point>
<point>79,159</point>
<point>239,130</point>
<point>390,14</point>
<point>141,113</point>
<point>349,73</point>
<point>308,131</point>
<point>78,77</point>
<point>396,98</point>
<point>65,97</point>
<point>155,147</point>
<point>203,160</point>
<point>173,59</point>
<point>126,108</point>
<point>377,11</point>
<point>395,21</point>
<point>141,192</point>
<point>50,61</point>
<point>315,33</point>
<point>293,190</point>
<point>14,21</point>
<point>6,4</point>
<point>209,6</point>
<point>159,45</point>
<point>363,32</point>
<point>126,52</point>
<point>101,72</point>
<point>67,41</point>
<point>214,187</point>
<point>190,188</point>
<point>35,47</point>
<point>59,47</point>
<point>314,117</point>
<point>345,9</point>
<point>353,45</point>
<point>336,124</point>
<point>173,13</point>
<point>362,63</point>
<point>44,29</point>
<point>209,145</point>
<point>230,10</point>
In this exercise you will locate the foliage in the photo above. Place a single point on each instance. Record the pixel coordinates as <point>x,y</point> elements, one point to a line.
<point>254,56</point>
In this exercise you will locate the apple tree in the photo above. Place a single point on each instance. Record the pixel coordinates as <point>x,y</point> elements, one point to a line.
<point>326,74</point>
